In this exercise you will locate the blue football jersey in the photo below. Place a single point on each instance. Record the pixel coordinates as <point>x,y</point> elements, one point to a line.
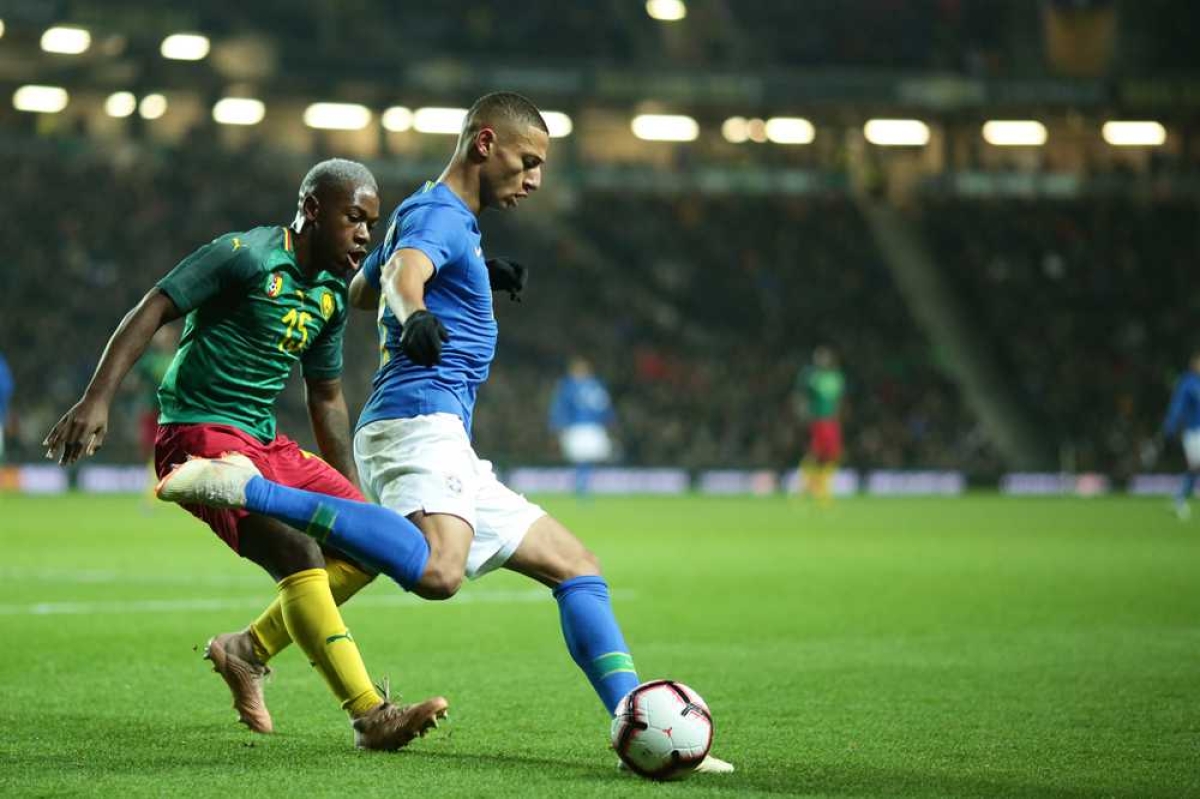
<point>580,400</point>
<point>1184,412</point>
<point>436,222</point>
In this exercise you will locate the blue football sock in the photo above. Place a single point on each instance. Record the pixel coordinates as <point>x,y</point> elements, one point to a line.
<point>378,537</point>
<point>1187,487</point>
<point>594,639</point>
<point>583,478</point>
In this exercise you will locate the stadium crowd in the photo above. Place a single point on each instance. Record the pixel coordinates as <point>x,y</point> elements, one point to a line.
<point>698,311</point>
<point>1089,304</point>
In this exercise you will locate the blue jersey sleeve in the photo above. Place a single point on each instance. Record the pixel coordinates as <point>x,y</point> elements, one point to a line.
<point>435,230</point>
<point>1178,408</point>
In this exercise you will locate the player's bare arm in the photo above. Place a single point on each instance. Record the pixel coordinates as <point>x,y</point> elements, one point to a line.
<point>403,281</point>
<point>81,431</point>
<point>363,295</point>
<point>331,424</point>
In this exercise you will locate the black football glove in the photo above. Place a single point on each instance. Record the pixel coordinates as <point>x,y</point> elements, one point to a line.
<point>422,338</point>
<point>506,275</point>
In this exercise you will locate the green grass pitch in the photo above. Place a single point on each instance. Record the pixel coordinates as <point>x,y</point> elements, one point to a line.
<point>979,646</point>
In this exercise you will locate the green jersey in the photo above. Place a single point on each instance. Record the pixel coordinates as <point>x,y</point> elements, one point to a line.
<point>823,388</point>
<point>251,314</point>
<point>151,368</point>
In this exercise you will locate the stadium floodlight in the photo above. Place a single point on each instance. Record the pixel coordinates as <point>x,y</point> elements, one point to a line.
<point>897,132</point>
<point>666,10</point>
<point>152,106</point>
<point>239,111</point>
<point>1,29</point>
<point>734,130</point>
<point>185,47</point>
<point>120,104</point>
<point>439,120</point>
<point>559,123</point>
<point>665,127</point>
<point>337,116</point>
<point>756,129</point>
<point>1014,133</point>
<point>790,130</point>
<point>40,99</point>
<point>397,119</point>
<point>1134,134</point>
<point>66,39</point>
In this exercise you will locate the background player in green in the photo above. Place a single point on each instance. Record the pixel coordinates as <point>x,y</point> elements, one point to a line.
<point>256,303</point>
<point>819,390</point>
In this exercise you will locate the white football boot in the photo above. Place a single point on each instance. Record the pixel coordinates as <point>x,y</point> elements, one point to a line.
<point>709,765</point>
<point>215,482</point>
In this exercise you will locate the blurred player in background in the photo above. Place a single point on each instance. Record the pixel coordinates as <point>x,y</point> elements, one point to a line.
<point>819,390</point>
<point>581,413</point>
<point>256,303</point>
<point>6,392</point>
<point>1183,419</point>
<point>413,444</point>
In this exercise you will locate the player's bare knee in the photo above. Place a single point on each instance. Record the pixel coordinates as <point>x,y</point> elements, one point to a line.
<point>439,582</point>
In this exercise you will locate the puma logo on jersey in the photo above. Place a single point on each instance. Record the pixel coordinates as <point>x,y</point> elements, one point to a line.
<point>237,244</point>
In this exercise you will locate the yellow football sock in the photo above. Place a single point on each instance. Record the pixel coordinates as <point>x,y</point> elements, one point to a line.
<point>808,477</point>
<point>825,475</point>
<point>316,626</point>
<point>270,634</point>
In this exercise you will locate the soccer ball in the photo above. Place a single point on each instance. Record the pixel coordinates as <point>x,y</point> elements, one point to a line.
<point>662,730</point>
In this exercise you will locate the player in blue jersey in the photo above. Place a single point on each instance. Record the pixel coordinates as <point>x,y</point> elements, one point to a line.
<point>412,444</point>
<point>580,414</point>
<point>1183,419</point>
<point>6,392</point>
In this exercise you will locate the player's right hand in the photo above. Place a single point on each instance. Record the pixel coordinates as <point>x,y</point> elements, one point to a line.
<point>422,338</point>
<point>80,432</point>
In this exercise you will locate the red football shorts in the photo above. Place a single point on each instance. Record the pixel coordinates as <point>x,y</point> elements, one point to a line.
<point>825,440</point>
<point>281,461</point>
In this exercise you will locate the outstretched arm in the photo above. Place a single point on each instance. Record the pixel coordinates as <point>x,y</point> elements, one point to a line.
<point>80,432</point>
<point>331,424</point>
<point>403,282</point>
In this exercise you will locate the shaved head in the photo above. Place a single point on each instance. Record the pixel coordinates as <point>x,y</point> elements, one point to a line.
<point>336,174</point>
<point>503,109</point>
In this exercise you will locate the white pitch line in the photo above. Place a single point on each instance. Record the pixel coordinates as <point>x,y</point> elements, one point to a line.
<point>251,603</point>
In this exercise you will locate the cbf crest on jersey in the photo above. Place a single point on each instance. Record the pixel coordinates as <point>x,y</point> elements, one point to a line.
<point>274,285</point>
<point>327,305</point>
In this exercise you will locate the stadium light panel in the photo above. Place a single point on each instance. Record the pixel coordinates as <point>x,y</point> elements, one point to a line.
<point>239,111</point>
<point>756,129</point>
<point>337,116</point>
<point>734,130</point>
<point>152,106</point>
<point>185,47</point>
<point>120,104</point>
<point>439,120</point>
<point>397,119</point>
<point>1,29</point>
<point>665,127</point>
<point>897,132</point>
<point>1134,134</point>
<point>40,99</point>
<point>666,10</point>
<point>66,39</point>
<point>790,130</point>
<point>559,123</point>
<point>1014,133</point>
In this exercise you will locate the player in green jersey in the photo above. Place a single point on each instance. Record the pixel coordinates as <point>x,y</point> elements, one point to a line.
<point>256,303</point>
<point>819,388</point>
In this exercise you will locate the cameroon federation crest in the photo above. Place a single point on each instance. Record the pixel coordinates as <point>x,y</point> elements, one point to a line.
<point>274,285</point>
<point>327,305</point>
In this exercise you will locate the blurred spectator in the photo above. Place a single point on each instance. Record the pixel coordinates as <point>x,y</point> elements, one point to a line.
<point>581,414</point>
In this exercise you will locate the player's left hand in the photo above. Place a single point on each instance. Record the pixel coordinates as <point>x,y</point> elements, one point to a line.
<point>506,275</point>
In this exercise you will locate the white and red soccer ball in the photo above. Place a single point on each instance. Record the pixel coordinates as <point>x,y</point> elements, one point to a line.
<point>662,730</point>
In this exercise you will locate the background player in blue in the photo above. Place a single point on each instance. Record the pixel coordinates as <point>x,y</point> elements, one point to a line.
<point>580,414</point>
<point>1183,418</point>
<point>6,392</point>
<point>412,445</point>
